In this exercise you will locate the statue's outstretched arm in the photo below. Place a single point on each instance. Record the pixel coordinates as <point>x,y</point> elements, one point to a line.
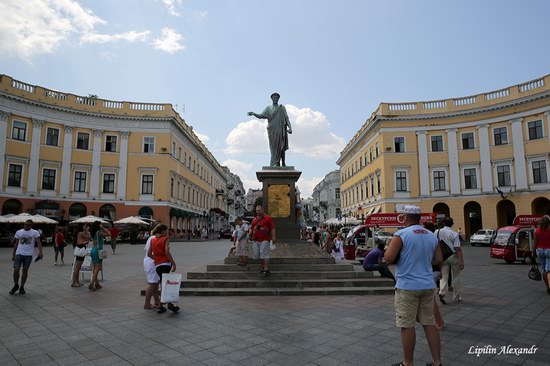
<point>257,115</point>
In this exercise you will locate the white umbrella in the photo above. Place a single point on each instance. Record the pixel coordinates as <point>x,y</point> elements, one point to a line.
<point>39,219</point>
<point>132,220</point>
<point>20,219</point>
<point>90,219</point>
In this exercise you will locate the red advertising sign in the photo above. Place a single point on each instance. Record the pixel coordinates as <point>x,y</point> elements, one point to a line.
<point>396,219</point>
<point>527,220</point>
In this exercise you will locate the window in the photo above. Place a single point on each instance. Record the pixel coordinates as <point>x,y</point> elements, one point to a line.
<point>539,172</point>
<point>149,145</point>
<point>179,190</point>
<point>52,136</point>
<point>378,183</point>
<point>189,163</point>
<point>110,143</point>
<point>80,181</point>
<point>173,149</point>
<point>470,181</point>
<point>399,143</point>
<point>503,176</point>
<point>337,191</point>
<point>370,154</point>
<point>171,187</point>
<point>439,180</point>
<point>437,143</point>
<point>377,147</point>
<point>146,184</point>
<point>468,141</point>
<point>535,130</point>
<point>501,136</point>
<point>48,179</point>
<point>19,131</point>
<point>83,141</point>
<point>179,153</point>
<point>108,183</point>
<point>400,181</point>
<point>372,186</point>
<point>14,175</point>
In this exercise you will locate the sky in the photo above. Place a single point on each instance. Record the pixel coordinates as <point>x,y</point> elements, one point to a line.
<point>331,61</point>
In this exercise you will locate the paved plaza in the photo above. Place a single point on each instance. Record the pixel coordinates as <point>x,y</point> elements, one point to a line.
<point>54,324</point>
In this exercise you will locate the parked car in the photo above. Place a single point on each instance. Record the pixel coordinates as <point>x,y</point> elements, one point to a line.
<point>513,243</point>
<point>483,237</point>
<point>226,234</point>
<point>383,235</point>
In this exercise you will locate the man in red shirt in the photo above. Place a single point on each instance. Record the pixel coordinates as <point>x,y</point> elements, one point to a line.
<point>262,232</point>
<point>59,246</point>
<point>114,236</point>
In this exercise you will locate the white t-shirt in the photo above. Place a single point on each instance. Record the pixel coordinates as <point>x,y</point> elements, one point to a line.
<point>26,238</point>
<point>449,236</point>
<point>240,229</point>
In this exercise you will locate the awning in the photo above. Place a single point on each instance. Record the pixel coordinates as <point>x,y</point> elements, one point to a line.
<point>173,212</point>
<point>370,211</point>
<point>377,209</point>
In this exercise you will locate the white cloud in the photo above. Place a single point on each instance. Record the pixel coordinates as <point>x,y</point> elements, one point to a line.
<point>34,27</point>
<point>200,15</point>
<point>171,6</point>
<point>170,41</point>
<point>202,137</point>
<point>248,138</point>
<point>131,36</point>
<point>310,136</point>
<point>306,186</point>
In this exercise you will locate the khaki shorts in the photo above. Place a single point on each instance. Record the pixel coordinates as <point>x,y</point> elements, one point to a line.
<point>260,250</point>
<point>413,306</point>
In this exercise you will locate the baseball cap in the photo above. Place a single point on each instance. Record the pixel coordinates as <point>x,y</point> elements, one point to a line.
<point>410,209</point>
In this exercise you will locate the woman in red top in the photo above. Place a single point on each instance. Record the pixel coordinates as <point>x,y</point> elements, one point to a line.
<point>542,246</point>
<point>159,251</point>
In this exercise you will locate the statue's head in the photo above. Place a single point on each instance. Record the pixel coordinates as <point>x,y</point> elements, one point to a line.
<point>275,97</point>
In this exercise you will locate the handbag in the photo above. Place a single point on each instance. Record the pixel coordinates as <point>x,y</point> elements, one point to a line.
<point>170,287</point>
<point>446,251</point>
<point>102,253</point>
<point>80,252</point>
<point>534,273</point>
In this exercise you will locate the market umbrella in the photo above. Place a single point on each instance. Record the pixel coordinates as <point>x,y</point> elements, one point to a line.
<point>90,219</point>
<point>39,219</point>
<point>20,219</point>
<point>132,220</point>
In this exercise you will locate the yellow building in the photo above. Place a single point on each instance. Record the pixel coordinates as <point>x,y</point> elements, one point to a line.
<point>67,156</point>
<point>481,159</point>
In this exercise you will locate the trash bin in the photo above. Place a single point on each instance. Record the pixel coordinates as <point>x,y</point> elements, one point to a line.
<point>349,251</point>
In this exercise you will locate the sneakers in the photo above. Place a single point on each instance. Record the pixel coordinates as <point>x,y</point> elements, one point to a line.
<point>21,291</point>
<point>173,308</point>
<point>442,299</point>
<point>265,273</point>
<point>459,299</point>
<point>14,289</point>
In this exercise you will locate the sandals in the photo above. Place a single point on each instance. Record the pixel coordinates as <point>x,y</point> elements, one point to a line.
<point>173,308</point>
<point>76,285</point>
<point>98,286</point>
<point>161,310</point>
<point>91,287</point>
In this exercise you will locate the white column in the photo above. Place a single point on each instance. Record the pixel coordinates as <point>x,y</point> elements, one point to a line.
<point>423,170</point>
<point>3,137</point>
<point>66,162</point>
<point>454,172</point>
<point>96,160</point>
<point>123,162</point>
<point>547,114</point>
<point>519,154</point>
<point>32,177</point>
<point>485,157</point>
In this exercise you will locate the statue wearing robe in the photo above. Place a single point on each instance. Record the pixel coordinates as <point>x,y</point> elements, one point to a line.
<point>278,128</point>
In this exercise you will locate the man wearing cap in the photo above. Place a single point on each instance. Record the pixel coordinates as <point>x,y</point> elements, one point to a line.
<point>278,128</point>
<point>418,250</point>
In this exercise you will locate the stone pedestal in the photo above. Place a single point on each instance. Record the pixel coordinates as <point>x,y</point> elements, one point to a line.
<point>279,199</point>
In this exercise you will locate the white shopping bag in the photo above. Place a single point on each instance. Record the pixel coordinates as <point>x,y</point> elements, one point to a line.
<point>272,245</point>
<point>170,287</point>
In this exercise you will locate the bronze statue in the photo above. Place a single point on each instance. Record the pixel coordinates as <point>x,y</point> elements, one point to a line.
<point>278,128</point>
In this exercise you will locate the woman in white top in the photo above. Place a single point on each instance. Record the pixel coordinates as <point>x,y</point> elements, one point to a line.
<point>338,249</point>
<point>241,241</point>
<point>151,275</point>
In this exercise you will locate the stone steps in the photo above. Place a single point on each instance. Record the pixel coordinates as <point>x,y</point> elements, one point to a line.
<point>269,282</point>
<point>281,267</point>
<point>277,275</point>
<point>323,260</point>
<point>309,291</point>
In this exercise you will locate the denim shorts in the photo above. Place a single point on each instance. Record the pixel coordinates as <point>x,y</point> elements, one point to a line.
<point>260,250</point>
<point>543,256</point>
<point>22,261</point>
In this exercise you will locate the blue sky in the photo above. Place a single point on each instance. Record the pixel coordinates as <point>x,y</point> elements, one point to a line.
<point>332,61</point>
